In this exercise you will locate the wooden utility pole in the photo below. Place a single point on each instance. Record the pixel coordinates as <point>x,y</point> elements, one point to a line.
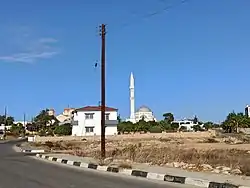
<point>5,122</point>
<point>103,34</point>
<point>24,123</point>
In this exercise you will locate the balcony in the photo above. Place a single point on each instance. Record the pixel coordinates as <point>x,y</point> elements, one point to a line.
<point>74,123</point>
<point>111,122</point>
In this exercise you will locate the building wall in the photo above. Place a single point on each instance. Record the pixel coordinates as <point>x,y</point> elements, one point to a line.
<point>148,116</point>
<point>7,127</point>
<point>80,129</point>
<point>68,111</point>
<point>61,118</point>
<point>247,111</point>
<point>188,124</point>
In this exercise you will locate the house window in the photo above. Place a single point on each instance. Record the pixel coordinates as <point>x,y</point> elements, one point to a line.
<point>106,116</point>
<point>89,116</point>
<point>89,129</point>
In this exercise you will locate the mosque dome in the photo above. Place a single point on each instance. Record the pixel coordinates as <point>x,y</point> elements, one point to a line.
<point>144,109</point>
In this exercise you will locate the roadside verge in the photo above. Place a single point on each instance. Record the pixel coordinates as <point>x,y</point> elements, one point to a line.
<point>139,173</point>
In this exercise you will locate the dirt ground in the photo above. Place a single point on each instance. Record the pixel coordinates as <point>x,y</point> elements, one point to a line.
<point>194,148</point>
<point>135,136</point>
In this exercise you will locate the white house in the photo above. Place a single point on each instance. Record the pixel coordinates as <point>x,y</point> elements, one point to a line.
<point>186,123</point>
<point>87,121</point>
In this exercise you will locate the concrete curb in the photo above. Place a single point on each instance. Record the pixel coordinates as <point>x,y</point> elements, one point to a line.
<point>144,174</point>
<point>29,150</point>
<point>33,151</point>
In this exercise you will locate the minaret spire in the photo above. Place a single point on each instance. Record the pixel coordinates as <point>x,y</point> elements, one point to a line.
<point>132,97</point>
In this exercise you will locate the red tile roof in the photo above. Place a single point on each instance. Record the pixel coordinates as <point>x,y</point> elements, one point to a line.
<point>95,108</point>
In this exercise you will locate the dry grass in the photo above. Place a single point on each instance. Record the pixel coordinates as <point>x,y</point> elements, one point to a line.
<point>159,151</point>
<point>209,140</point>
<point>125,165</point>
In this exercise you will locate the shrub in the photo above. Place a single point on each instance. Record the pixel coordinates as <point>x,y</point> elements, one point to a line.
<point>42,132</point>
<point>16,130</point>
<point>210,140</point>
<point>183,129</point>
<point>49,144</point>
<point>50,132</point>
<point>65,129</point>
<point>155,129</point>
<point>197,128</point>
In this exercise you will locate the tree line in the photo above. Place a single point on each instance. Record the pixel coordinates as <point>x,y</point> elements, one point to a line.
<point>234,121</point>
<point>44,124</point>
<point>167,125</point>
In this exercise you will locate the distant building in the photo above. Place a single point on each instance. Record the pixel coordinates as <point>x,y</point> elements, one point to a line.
<point>186,123</point>
<point>66,115</point>
<point>247,110</point>
<point>22,122</point>
<point>87,121</point>
<point>143,112</point>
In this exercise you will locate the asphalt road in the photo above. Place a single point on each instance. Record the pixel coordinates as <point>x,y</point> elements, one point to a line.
<point>18,170</point>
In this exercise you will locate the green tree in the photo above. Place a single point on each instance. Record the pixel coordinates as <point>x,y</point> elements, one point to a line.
<point>197,128</point>
<point>183,128</point>
<point>43,120</point>
<point>165,125</point>
<point>168,117</point>
<point>125,127</point>
<point>17,129</point>
<point>9,120</point>
<point>209,125</point>
<point>175,126</point>
<point>155,129</point>
<point>142,125</point>
<point>65,129</point>
<point>234,121</point>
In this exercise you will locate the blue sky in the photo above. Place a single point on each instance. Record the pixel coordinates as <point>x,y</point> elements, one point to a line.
<point>192,59</point>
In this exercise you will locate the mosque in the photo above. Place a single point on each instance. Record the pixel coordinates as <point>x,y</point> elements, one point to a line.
<point>141,113</point>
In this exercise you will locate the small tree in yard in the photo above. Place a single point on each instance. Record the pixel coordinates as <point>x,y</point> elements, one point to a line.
<point>197,128</point>
<point>155,129</point>
<point>142,126</point>
<point>168,117</point>
<point>208,125</point>
<point>17,129</point>
<point>125,127</point>
<point>183,129</point>
<point>65,129</point>
<point>175,126</point>
<point>234,121</point>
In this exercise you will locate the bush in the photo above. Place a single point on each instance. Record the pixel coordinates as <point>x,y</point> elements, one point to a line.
<point>16,130</point>
<point>63,130</point>
<point>155,129</point>
<point>50,132</point>
<point>183,129</point>
<point>49,144</point>
<point>175,126</point>
<point>42,132</point>
<point>197,128</point>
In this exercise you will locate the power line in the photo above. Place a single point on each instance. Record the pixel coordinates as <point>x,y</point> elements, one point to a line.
<point>152,14</point>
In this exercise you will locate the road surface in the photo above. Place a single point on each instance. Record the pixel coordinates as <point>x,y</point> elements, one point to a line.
<point>18,170</point>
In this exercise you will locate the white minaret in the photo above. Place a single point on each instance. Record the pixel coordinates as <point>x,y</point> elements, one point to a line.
<point>132,97</point>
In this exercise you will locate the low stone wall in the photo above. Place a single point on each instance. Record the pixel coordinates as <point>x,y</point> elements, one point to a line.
<point>130,136</point>
<point>244,130</point>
